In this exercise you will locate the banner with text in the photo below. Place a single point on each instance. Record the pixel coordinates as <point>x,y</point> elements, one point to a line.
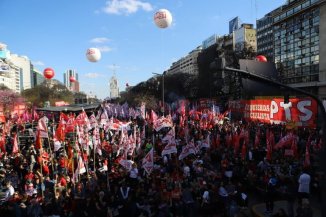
<point>301,111</point>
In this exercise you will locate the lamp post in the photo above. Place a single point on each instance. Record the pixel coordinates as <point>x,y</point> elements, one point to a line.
<point>219,64</point>
<point>163,75</point>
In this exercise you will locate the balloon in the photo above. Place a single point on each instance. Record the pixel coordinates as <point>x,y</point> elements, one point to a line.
<point>93,54</point>
<point>261,58</point>
<point>72,79</point>
<point>163,18</point>
<point>48,73</point>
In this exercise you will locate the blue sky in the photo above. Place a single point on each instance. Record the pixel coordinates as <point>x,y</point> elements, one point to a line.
<point>57,33</point>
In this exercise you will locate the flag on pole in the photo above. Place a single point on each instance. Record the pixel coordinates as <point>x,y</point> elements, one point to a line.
<point>187,150</point>
<point>148,161</point>
<point>15,148</point>
<point>42,127</point>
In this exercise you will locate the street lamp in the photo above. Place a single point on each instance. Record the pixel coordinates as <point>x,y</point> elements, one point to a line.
<point>219,65</point>
<point>163,75</point>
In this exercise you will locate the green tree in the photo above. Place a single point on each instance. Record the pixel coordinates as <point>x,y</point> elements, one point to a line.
<point>51,91</point>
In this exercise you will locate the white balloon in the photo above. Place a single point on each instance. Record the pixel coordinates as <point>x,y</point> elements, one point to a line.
<point>93,54</point>
<point>163,18</point>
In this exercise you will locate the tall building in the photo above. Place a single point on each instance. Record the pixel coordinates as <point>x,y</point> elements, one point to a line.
<point>10,74</point>
<point>234,24</point>
<point>114,89</point>
<point>265,39</point>
<point>71,85</point>
<point>187,64</point>
<point>25,70</point>
<point>245,37</point>
<point>300,44</point>
<point>38,77</point>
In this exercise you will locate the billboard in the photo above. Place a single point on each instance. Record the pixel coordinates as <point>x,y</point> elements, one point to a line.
<point>4,67</point>
<point>257,88</point>
<point>303,112</point>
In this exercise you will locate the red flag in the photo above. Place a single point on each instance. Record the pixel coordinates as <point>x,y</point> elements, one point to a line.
<point>70,125</point>
<point>3,142</point>
<point>35,115</point>
<point>285,141</point>
<point>243,151</point>
<point>268,147</point>
<point>228,140</point>
<point>294,148</point>
<point>307,158</point>
<point>15,148</point>
<point>38,140</point>
<point>236,142</point>
<point>257,139</point>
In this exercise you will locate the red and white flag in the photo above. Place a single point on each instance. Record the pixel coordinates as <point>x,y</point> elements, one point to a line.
<point>127,164</point>
<point>170,148</point>
<point>143,110</point>
<point>170,135</point>
<point>187,150</point>
<point>163,122</point>
<point>42,127</point>
<point>82,119</point>
<point>148,161</point>
<point>206,143</point>
<point>81,166</point>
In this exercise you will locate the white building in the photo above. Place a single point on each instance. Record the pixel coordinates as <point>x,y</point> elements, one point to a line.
<point>10,74</point>
<point>187,64</point>
<point>26,73</point>
<point>114,89</point>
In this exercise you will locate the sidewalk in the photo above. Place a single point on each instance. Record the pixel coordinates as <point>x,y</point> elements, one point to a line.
<point>258,210</point>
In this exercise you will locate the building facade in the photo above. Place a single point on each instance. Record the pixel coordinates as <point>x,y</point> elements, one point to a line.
<point>187,64</point>
<point>10,74</point>
<point>25,66</point>
<point>38,77</point>
<point>300,44</point>
<point>265,37</point>
<point>71,85</point>
<point>245,37</point>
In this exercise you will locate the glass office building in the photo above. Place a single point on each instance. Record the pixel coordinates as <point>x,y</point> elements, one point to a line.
<point>296,36</point>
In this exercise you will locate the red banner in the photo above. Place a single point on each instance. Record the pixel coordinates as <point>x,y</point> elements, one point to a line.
<point>300,111</point>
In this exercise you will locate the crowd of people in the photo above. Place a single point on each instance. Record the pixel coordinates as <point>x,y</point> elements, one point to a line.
<point>221,178</point>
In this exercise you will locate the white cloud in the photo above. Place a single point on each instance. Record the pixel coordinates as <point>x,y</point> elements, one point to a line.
<point>105,48</point>
<point>38,63</point>
<point>126,6</point>
<point>92,75</point>
<point>99,40</point>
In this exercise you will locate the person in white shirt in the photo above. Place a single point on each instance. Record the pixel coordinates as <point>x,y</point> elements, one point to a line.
<point>133,176</point>
<point>304,186</point>
<point>10,191</point>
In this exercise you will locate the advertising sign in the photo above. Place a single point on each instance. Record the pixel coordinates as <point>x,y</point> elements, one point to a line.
<point>4,67</point>
<point>301,111</point>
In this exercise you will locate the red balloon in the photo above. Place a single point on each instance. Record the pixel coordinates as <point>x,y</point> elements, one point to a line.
<point>261,58</point>
<point>72,79</point>
<point>48,73</point>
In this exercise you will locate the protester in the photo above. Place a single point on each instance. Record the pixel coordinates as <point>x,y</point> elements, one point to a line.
<point>205,166</point>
